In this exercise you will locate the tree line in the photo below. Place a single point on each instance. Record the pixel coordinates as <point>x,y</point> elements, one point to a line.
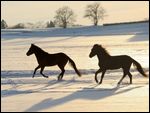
<point>65,16</point>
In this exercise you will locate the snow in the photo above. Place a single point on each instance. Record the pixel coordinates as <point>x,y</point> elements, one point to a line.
<point>140,28</point>
<point>20,92</point>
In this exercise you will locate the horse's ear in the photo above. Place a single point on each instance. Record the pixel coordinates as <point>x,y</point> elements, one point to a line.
<point>32,44</point>
<point>96,45</point>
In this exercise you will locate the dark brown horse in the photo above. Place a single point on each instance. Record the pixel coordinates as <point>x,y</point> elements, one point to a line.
<point>46,59</point>
<point>106,61</point>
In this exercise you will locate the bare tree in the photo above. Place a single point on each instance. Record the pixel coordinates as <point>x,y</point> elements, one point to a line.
<point>64,16</point>
<point>95,12</point>
<point>3,24</point>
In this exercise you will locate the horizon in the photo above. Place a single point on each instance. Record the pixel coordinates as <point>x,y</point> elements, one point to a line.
<point>43,11</point>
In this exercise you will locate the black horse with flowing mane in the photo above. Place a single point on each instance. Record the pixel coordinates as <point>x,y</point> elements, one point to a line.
<point>106,61</point>
<point>46,59</point>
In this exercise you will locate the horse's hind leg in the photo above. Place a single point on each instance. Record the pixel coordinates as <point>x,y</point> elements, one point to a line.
<point>62,72</point>
<point>124,74</point>
<point>130,76</point>
<point>42,68</point>
<point>35,71</point>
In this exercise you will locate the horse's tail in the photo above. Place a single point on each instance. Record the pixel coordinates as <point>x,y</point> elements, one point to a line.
<point>74,66</point>
<point>139,67</point>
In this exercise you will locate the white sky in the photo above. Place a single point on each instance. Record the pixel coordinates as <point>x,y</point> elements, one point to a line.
<point>34,11</point>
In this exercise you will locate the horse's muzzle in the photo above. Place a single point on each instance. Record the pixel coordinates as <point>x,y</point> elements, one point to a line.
<point>90,55</point>
<point>27,54</point>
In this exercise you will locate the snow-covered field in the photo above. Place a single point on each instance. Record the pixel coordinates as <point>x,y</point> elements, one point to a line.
<point>20,92</point>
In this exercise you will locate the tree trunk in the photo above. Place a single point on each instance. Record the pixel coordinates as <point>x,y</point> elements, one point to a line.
<point>95,22</point>
<point>96,17</point>
<point>64,24</point>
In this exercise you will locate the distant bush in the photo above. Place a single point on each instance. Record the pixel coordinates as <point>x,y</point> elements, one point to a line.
<point>18,26</point>
<point>3,24</point>
<point>50,24</point>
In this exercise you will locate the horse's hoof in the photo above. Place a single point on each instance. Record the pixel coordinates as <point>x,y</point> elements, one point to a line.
<point>100,83</point>
<point>59,77</point>
<point>118,83</point>
<point>46,76</point>
<point>96,81</point>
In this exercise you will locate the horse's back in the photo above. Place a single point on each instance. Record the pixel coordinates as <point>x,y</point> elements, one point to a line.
<point>59,55</point>
<point>117,62</point>
<point>120,59</point>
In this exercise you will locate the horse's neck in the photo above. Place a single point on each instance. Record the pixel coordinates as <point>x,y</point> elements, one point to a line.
<point>38,57</point>
<point>103,57</point>
<point>40,54</point>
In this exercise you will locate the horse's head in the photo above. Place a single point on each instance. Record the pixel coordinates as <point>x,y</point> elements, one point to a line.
<point>99,50</point>
<point>94,50</point>
<point>31,50</point>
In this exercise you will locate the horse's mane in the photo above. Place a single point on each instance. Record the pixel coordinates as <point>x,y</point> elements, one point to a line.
<point>102,50</point>
<point>39,50</point>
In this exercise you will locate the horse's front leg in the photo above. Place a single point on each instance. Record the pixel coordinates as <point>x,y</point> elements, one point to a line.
<point>102,76</point>
<point>97,74</point>
<point>42,68</point>
<point>35,70</point>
